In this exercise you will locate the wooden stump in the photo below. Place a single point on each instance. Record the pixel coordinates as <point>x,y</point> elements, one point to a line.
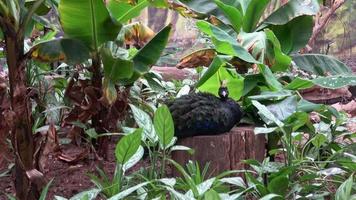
<point>224,151</point>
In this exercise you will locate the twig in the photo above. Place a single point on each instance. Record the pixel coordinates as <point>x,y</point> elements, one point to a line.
<point>320,23</point>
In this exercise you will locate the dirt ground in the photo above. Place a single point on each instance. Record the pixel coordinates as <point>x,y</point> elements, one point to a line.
<point>69,179</point>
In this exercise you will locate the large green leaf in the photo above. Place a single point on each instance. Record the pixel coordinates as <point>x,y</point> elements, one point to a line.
<point>334,82</point>
<point>144,121</point>
<point>265,47</point>
<point>43,9</point>
<point>151,52</point>
<point>279,185</point>
<point>123,11</point>
<point>235,83</point>
<point>298,120</point>
<point>345,189</point>
<point>123,194</point>
<point>298,84</point>
<point>321,64</point>
<point>163,123</point>
<point>307,106</point>
<point>206,8</point>
<point>211,194</point>
<point>233,15</point>
<point>224,43</point>
<point>276,58</point>
<point>115,68</point>
<point>331,82</point>
<point>267,116</point>
<point>71,51</point>
<point>283,109</point>
<point>253,14</point>
<point>271,80</point>
<point>291,10</point>
<point>217,62</point>
<point>127,146</point>
<point>295,34</point>
<point>271,95</point>
<point>256,42</point>
<point>88,21</point>
<point>251,82</point>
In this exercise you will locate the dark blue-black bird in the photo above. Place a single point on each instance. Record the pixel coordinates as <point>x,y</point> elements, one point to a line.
<point>204,114</point>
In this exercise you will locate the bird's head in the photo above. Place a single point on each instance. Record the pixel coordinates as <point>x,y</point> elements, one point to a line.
<point>223,91</point>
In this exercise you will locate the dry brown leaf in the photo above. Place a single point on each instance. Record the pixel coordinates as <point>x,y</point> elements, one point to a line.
<point>202,57</point>
<point>73,157</point>
<point>138,34</point>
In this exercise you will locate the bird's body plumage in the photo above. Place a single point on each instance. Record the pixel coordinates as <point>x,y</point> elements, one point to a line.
<point>203,114</point>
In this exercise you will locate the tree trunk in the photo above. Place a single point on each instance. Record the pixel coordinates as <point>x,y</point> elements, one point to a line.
<point>98,120</point>
<point>223,152</point>
<point>20,119</point>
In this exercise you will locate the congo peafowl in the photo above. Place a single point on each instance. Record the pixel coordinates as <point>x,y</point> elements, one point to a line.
<point>204,114</point>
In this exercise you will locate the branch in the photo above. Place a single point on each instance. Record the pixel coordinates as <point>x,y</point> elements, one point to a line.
<point>320,22</point>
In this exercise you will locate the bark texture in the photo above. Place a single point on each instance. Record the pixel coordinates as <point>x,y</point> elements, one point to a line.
<point>224,152</point>
<point>20,119</point>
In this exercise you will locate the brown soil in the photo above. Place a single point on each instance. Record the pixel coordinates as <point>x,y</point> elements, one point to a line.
<point>69,179</point>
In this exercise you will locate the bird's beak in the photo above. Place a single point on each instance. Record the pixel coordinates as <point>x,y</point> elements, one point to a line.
<point>224,83</point>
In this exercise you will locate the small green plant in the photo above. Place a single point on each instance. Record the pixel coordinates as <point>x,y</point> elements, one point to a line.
<point>85,195</point>
<point>198,185</point>
<point>128,152</point>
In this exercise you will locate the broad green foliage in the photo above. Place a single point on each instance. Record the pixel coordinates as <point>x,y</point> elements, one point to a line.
<point>291,10</point>
<point>116,68</point>
<point>233,14</point>
<point>211,195</point>
<point>257,44</point>
<point>123,11</point>
<point>163,123</point>
<point>279,185</point>
<point>234,83</point>
<point>88,21</point>
<point>270,79</point>
<point>150,53</point>
<point>215,65</point>
<point>295,34</point>
<point>127,146</point>
<point>253,14</point>
<point>322,65</point>
<point>68,50</point>
<point>211,79</point>
<point>85,195</point>
<point>299,83</point>
<point>344,191</point>
<point>128,191</point>
<point>334,82</point>
<point>276,58</point>
<point>144,121</point>
<point>205,8</point>
<point>224,43</point>
<point>265,47</point>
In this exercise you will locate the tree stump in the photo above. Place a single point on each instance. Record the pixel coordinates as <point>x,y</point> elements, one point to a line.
<point>224,151</point>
